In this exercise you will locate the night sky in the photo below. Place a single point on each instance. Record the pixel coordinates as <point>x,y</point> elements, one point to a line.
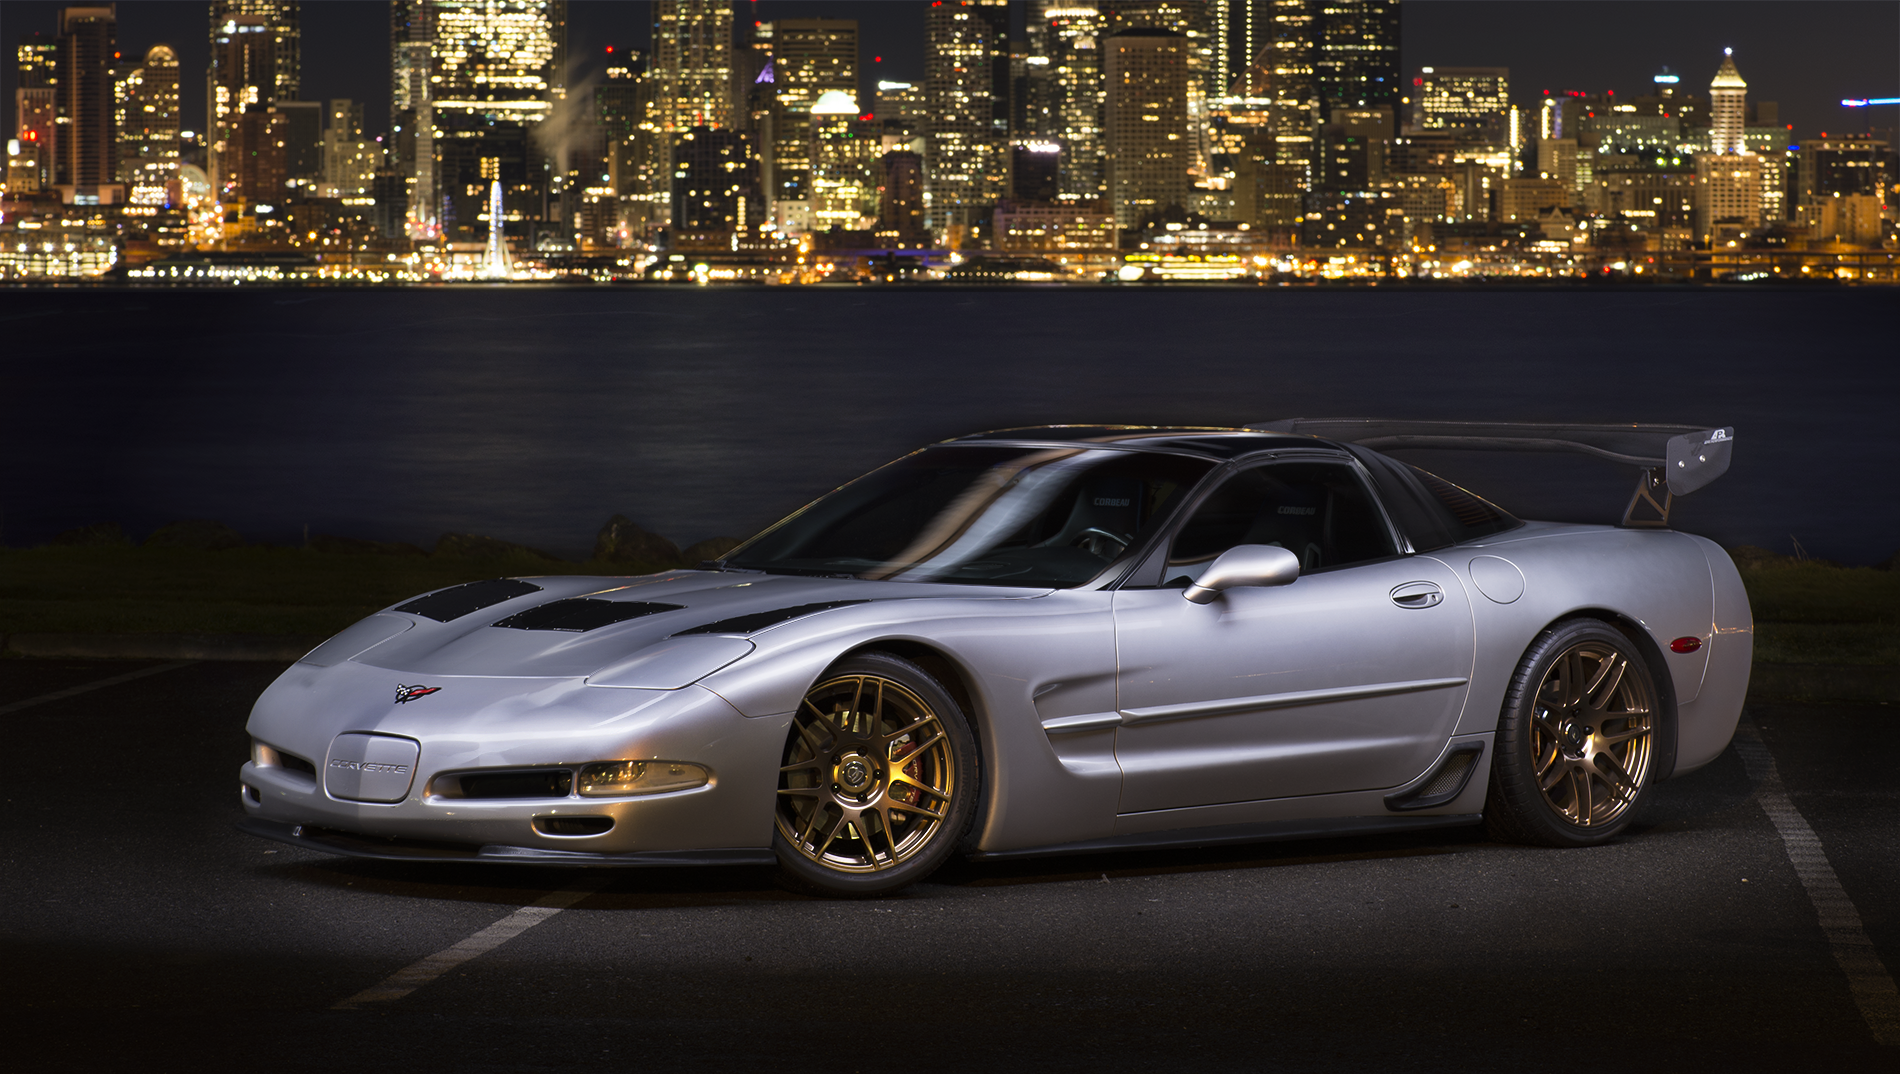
<point>1805,54</point>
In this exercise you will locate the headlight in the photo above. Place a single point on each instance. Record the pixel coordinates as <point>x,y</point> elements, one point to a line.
<point>615,779</point>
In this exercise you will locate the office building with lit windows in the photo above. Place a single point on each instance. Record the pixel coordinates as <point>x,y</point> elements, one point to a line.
<point>147,120</point>
<point>1150,137</point>
<point>966,166</point>
<point>1066,93</point>
<point>495,70</point>
<point>692,64</point>
<point>810,59</point>
<point>840,152</point>
<point>33,163</point>
<point>714,181</point>
<point>1356,62</point>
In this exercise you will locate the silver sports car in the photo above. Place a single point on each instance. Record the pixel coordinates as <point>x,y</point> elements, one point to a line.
<point>1045,641</point>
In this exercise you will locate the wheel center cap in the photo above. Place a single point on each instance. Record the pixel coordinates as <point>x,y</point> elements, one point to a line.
<point>854,773</point>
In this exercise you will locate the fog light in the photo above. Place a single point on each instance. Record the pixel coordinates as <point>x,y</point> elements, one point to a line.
<point>612,779</point>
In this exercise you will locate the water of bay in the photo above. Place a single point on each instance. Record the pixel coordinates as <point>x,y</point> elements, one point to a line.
<point>532,415</point>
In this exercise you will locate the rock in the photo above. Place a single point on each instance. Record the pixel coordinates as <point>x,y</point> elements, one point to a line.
<point>471,546</point>
<point>99,535</point>
<point>199,533</point>
<point>356,546</point>
<point>621,541</point>
<point>710,548</point>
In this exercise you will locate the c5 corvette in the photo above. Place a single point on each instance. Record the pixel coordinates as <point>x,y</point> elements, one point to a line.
<point>1041,641</point>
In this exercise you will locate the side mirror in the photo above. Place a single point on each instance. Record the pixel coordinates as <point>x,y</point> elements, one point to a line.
<point>1245,564</point>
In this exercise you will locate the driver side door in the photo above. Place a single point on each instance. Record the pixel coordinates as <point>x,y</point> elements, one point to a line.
<point>1350,678</point>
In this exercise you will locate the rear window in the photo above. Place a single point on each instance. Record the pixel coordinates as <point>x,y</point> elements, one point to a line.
<point>1475,516</point>
<point>1432,511</point>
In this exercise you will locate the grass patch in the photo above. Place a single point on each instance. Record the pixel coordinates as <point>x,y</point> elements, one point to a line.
<point>1813,612</point>
<point>258,590</point>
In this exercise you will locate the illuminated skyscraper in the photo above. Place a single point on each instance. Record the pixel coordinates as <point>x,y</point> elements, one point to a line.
<point>840,162</point>
<point>88,146</point>
<point>1067,93</point>
<point>495,59</point>
<point>1201,24</point>
<point>494,75</point>
<point>1728,108</point>
<point>967,157</point>
<point>35,167</point>
<point>1150,142</point>
<point>692,63</point>
<point>246,154</point>
<point>1729,178</point>
<point>1357,60</point>
<point>811,58</point>
<point>147,119</point>
<point>268,71</point>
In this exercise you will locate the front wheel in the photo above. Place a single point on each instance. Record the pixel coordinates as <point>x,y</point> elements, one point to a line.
<point>1576,741</point>
<point>878,782</point>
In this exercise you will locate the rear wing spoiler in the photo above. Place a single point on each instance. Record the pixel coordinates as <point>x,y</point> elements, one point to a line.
<point>1673,460</point>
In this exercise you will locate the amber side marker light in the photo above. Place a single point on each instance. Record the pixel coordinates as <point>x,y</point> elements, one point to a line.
<point>1685,645</point>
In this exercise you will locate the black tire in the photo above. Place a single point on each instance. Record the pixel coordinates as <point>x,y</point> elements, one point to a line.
<point>1576,746</point>
<point>848,821</point>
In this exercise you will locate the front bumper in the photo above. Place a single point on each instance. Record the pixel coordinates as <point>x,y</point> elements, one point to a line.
<point>477,725</point>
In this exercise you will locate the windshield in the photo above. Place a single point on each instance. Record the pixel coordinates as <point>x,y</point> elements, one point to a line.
<point>981,514</point>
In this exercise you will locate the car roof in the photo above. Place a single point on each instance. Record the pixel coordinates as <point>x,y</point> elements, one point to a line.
<point>1212,443</point>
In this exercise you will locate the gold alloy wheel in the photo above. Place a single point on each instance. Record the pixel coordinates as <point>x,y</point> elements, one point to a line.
<point>868,775</point>
<point>1590,734</point>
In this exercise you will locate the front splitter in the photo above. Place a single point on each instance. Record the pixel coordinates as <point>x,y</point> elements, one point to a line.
<point>352,845</point>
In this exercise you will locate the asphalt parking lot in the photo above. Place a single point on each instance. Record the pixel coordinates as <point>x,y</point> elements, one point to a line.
<point>143,933</point>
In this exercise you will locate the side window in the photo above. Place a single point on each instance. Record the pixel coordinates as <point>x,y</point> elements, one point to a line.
<point>1319,511</point>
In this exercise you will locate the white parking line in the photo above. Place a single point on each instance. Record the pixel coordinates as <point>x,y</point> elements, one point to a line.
<point>75,690</point>
<point>1867,977</point>
<point>415,975</point>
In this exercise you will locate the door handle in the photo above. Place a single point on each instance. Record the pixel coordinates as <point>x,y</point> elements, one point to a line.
<point>1417,595</point>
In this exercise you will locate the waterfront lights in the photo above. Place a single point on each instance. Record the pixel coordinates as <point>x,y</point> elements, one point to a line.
<point>618,779</point>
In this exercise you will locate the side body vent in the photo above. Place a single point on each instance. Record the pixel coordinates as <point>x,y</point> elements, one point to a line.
<point>1445,784</point>
<point>581,614</point>
<point>747,624</point>
<point>458,601</point>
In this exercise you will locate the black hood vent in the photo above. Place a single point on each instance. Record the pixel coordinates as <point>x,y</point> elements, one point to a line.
<point>581,614</point>
<point>458,601</point>
<point>746,624</point>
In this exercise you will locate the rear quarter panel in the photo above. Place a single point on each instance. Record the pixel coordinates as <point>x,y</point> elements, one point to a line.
<point>1654,581</point>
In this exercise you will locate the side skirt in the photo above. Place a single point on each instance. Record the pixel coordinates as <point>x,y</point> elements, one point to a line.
<point>1228,834</point>
<point>331,841</point>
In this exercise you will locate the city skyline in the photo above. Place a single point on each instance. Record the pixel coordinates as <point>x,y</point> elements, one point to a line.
<point>1831,49</point>
<point>1075,140</point>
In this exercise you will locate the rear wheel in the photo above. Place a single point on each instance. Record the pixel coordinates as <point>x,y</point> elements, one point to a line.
<point>878,781</point>
<point>1576,741</point>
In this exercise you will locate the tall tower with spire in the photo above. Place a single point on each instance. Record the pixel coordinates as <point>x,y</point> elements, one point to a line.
<point>1728,107</point>
<point>1728,179</point>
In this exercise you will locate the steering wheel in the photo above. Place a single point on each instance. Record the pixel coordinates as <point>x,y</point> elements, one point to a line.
<point>1099,542</point>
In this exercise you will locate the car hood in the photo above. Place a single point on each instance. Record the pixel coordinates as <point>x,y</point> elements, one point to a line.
<point>714,619</point>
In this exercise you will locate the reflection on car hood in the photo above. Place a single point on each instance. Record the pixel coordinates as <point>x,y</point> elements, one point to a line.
<point>694,603</point>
